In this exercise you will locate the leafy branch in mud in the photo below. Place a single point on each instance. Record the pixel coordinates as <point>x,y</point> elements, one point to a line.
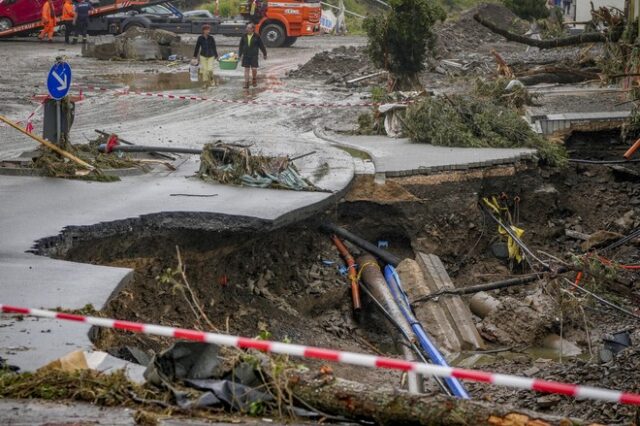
<point>53,165</point>
<point>107,390</point>
<point>400,39</point>
<point>469,122</point>
<point>498,91</point>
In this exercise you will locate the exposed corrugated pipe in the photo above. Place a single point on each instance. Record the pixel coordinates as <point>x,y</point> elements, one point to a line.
<point>374,280</point>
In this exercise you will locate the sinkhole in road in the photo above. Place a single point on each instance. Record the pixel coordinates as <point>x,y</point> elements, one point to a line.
<point>251,279</point>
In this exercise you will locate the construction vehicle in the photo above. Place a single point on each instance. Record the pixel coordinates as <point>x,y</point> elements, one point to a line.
<point>279,23</point>
<point>23,17</point>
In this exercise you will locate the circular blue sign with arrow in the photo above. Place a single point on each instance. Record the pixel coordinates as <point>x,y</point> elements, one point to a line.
<point>59,80</point>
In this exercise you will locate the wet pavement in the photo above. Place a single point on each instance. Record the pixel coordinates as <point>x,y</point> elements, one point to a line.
<point>400,157</point>
<point>34,208</point>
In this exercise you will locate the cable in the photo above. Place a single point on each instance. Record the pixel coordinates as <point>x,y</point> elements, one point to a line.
<point>413,346</point>
<point>402,300</point>
<point>603,301</point>
<point>634,234</point>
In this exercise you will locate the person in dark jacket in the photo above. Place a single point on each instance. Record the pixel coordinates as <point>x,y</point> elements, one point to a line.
<point>250,47</point>
<point>205,53</point>
<point>81,20</point>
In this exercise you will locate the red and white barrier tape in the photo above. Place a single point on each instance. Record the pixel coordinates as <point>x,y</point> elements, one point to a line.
<point>233,101</point>
<point>352,358</point>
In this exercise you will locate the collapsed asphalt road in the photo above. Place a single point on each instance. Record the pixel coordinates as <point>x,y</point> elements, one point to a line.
<point>34,208</point>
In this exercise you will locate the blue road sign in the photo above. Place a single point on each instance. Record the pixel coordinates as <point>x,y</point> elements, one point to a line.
<point>59,80</point>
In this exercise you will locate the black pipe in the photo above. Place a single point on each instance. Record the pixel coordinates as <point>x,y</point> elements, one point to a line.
<point>581,161</point>
<point>496,285</point>
<point>167,157</point>
<point>145,148</point>
<point>384,255</point>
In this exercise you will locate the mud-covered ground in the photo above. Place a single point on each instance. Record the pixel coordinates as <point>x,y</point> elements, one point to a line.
<point>286,282</point>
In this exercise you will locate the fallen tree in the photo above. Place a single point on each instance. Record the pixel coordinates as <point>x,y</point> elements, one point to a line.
<point>592,37</point>
<point>389,406</point>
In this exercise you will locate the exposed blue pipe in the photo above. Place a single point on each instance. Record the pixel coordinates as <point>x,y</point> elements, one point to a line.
<point>393,282</point>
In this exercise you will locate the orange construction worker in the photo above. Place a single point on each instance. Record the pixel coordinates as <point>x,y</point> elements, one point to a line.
<point>48,20</point>
<point>68,15</point>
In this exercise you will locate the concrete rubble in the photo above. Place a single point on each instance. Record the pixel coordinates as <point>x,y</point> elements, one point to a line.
<point>136,43</point>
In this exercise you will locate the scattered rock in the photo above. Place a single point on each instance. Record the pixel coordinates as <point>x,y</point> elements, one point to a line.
<point>547,401</point>
<point>599,239</point>
<point>626,222</point>
<point>500,250</point>
<point>519,321</point>
<point>563,346</point>
<point>483,304</point>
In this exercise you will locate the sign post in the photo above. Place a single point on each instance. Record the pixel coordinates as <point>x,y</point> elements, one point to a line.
<point>58,85</point>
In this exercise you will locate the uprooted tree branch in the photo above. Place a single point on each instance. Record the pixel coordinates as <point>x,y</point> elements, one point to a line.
<point>386,406</point>
<point>591,37</point>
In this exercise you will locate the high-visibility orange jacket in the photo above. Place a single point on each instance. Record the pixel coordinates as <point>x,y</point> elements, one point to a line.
<point>68,13</point>
<point>48,14</point>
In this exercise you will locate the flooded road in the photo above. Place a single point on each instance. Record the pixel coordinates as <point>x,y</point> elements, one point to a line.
<point>169,121</point>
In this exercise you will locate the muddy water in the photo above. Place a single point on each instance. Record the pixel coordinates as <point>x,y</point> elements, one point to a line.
<point>160,81</point>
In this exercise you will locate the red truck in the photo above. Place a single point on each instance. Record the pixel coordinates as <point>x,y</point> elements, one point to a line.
<point>279,22</point>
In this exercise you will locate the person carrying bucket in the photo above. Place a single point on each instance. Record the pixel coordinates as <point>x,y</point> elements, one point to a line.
<point>205,53</point>
<point>250,47</point>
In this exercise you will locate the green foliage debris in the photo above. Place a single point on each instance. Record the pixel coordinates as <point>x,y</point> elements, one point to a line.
<point>496,91</point>
<point>93,387</point>
<point>469,122</point>
<point>54,165</point>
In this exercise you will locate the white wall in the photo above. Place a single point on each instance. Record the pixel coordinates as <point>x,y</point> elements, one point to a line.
<point>583,7</point>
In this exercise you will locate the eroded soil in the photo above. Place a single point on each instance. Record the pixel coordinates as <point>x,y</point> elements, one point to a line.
<point>286,281</point>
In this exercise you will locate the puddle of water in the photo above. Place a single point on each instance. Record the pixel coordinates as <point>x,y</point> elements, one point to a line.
<point>356,153</point>
<point>159,81</point>
<point>477,360</point>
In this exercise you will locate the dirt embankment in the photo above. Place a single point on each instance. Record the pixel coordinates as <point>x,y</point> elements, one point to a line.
<point>457,35</point>
<point>465,34</point>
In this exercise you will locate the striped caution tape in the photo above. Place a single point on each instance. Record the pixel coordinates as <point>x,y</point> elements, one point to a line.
<point>237,101</point>
<point>352,358</point>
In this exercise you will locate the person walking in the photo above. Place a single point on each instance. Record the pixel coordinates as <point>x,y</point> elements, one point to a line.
<point>567,7</point>
<point>205,53</point>
<point>81,20</point>
<point>48,21</point>
<point>68,15</point>
<point>250,47</point>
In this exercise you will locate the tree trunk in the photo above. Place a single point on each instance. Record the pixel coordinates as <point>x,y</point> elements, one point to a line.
<point>549,44</point>
<point>389,406</point>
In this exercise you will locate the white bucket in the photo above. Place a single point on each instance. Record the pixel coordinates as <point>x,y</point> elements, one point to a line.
<point>193,71</point>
